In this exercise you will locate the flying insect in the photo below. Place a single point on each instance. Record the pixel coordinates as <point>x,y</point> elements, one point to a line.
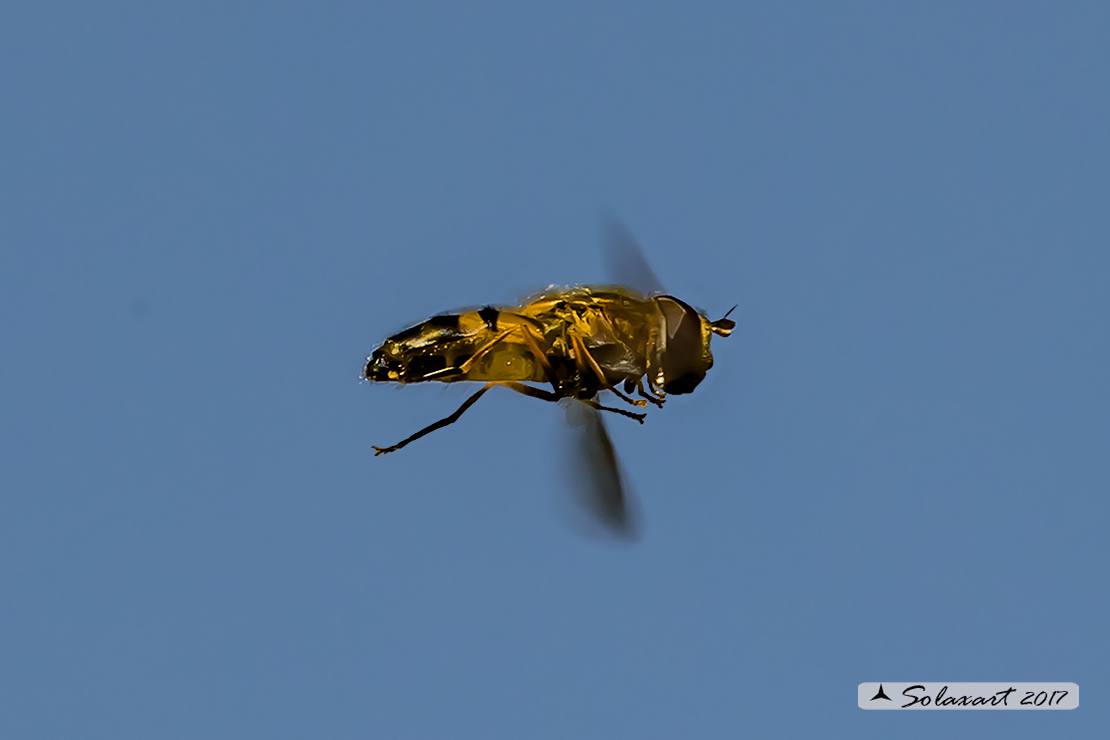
<point>581,341</point>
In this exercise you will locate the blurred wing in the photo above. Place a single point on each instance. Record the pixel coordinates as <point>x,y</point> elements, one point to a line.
<point>600,489</point>
<point>624,262</point>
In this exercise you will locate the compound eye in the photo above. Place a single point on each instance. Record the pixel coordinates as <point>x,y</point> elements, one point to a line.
<point>684,363</point>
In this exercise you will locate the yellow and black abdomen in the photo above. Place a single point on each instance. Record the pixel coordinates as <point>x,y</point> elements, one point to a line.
<point>443,349</point>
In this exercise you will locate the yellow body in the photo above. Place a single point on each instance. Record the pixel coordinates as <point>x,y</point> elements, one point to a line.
<point>580,339</point>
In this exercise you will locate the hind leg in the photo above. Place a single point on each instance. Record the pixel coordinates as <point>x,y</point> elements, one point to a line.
<point>438,425</point>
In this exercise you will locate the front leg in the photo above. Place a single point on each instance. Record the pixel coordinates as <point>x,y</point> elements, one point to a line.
<point>541,394</point>
<point>638,386</point>
<point>626,399</point>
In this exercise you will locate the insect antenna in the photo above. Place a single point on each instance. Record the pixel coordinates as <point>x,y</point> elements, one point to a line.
<point>724,325</point>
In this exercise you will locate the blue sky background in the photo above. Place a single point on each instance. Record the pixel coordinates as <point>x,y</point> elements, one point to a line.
<point>897,469</point>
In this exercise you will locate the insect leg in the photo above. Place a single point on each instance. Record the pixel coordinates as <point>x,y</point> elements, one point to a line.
<point>438,425</point>
<point>657,400</point>
<point>541,357</point>
<point>586,361</point>
<point>625,398</point>
<point>553,397</point>
<point>485,349</point>
<point>638,417</point>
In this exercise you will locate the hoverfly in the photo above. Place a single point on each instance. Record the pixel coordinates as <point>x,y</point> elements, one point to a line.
<point>581,341</point>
